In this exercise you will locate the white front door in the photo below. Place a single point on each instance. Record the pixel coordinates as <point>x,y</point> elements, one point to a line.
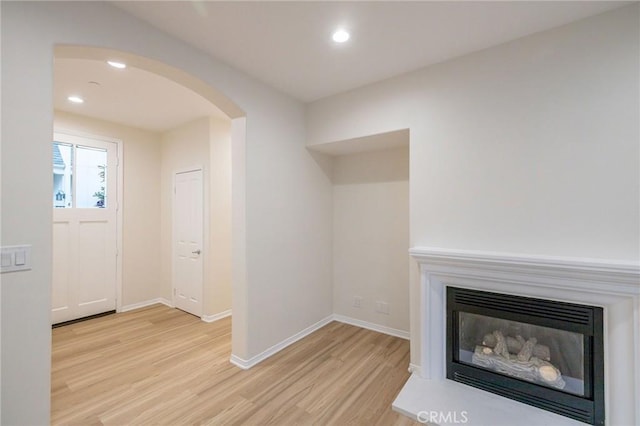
<point>84,227</point>
<point>187,241</point>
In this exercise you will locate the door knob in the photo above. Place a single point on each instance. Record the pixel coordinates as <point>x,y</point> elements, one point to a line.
<point>196,252</point>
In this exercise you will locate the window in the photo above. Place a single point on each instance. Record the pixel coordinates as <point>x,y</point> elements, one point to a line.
<point>62,175</point>
<point>79,176</point>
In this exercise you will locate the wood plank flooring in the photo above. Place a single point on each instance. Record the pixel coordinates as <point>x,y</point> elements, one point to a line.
<point>161,366</point>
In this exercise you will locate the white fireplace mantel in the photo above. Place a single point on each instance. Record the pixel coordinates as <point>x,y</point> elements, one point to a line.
<point>613,285</point>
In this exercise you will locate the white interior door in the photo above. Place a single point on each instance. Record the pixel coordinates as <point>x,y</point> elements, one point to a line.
<point>84,227</point>
<point>187,241</point>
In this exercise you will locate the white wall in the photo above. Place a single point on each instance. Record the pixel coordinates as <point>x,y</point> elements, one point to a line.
<point>528,147</point>
<point>285,275</point>
<point>204,143</point>
<point>371,236</point>
<point>218,294</point>
<point>288,203</point>
<point>184,147</point>
<point>141,202</point>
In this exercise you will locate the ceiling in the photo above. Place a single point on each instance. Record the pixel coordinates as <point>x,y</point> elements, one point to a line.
<point>288,45</point>
<point>129,96</point>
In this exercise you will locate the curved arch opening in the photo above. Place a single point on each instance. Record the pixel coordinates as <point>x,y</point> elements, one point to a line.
<point>151,65</point>
<point>236,142</point>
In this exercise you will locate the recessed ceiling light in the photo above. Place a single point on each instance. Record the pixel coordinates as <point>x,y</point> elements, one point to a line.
<point>75,99</point>
<point>340,36</point>
<point>119,65</point>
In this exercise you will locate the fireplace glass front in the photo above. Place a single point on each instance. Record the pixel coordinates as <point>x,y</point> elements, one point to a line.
<point>544,353</point>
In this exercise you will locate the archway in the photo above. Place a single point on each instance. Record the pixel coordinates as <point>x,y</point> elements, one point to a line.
<point>237,117</point>
<point>175,74</point>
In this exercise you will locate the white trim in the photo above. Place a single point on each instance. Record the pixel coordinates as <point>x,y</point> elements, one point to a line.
<point>119,222</point>
<point>241,363</point>
<point>619,272</point>
<point>247,364</point>
<point>81,134</point>
<point>371,326</point>
<point>181,170</point>
<point>415,368</point>
<point>144,304</point>
<point>163,301</point>
<point>216,317</point>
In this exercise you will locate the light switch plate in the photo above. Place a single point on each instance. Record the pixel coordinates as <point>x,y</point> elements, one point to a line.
<point>15,258</point>
<point>7,260</point>
<point>21,258</point>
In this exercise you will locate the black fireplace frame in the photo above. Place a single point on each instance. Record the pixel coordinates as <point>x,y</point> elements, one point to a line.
<point>586,320</point>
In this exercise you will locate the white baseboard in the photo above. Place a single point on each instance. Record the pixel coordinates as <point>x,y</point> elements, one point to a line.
<point>415,369</point>
<point>247,364</point>
<point>371,326</point>
<point>239,362</point>
<point>162,300</point>
<point>216,317</point>
<point>144,304</point>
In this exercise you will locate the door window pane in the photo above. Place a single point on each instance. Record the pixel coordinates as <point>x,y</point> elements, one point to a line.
<point>62,175</point>
<point>91,177</point>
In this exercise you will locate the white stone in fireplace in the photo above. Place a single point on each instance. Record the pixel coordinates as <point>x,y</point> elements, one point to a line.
<point>613,285</point>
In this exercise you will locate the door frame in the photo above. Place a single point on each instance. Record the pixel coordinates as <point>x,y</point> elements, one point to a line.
<point>119,197</point>
<point>205,230</point>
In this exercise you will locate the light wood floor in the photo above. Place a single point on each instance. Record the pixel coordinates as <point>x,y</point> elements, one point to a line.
<point>161,366</point>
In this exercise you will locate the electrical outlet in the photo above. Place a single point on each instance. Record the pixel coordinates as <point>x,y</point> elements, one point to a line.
<point>382,307</point>
<point>357,301</point>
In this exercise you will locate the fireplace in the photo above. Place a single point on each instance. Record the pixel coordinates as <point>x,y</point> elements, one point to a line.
<point>544,353</point>
<point>611,287</point>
